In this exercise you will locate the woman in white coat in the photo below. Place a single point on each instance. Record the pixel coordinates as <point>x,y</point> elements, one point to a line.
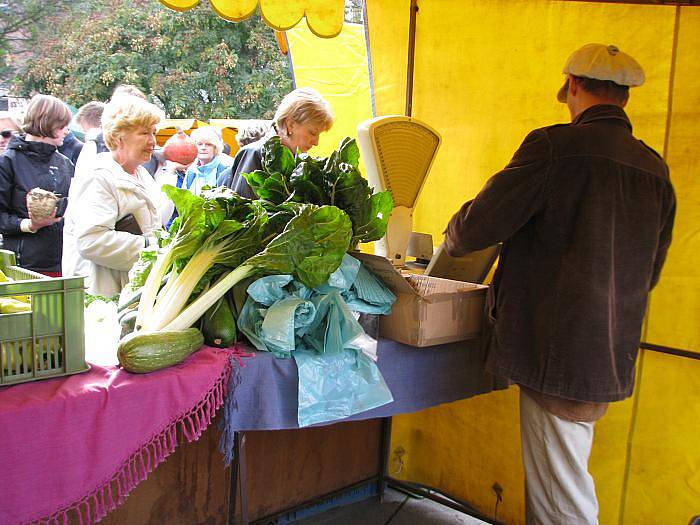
<point>118,211</point>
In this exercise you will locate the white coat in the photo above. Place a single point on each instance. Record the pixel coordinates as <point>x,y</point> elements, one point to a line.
<point>107,196</point>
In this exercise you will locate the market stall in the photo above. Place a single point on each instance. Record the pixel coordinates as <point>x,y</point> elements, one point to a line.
<point>645,454</point>
<point>484,74</point>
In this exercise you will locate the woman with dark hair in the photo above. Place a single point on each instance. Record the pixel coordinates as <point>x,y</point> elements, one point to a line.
<point>30,161</point>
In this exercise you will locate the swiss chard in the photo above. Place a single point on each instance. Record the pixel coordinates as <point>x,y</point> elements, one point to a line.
<point>335,181</point>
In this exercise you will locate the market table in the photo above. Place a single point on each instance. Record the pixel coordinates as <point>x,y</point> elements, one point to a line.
<point>79,417</point>
<point>73,448</point>
<point>266,400</point>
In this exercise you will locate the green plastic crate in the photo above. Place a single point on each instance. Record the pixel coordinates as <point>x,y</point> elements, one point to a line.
<point>49,341</point>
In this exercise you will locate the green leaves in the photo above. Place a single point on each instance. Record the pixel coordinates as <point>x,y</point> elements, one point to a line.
<point>374,217</point>
<point>335,180</point>
<point>268,186</point>
<point>311,247</point>
<point>277,158</point>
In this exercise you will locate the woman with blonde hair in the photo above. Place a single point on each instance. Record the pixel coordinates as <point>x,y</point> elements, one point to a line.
<point>30,161</point>
<point>299,120</point>
<point>118,211</point>
<point>210,163</point>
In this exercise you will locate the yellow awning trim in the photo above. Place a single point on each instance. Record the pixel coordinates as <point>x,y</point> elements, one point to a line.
<point>324,17</point>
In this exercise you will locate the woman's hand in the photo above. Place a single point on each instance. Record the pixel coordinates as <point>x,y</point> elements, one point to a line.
<point>36,224</point>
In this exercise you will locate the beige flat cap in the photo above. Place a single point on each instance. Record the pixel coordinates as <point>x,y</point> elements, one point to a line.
<point>602,62</point>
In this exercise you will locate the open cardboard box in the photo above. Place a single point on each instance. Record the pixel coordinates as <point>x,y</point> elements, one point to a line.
<point>428,311</point>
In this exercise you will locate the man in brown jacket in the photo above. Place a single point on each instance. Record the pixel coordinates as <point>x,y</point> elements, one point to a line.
<point>585,212</point>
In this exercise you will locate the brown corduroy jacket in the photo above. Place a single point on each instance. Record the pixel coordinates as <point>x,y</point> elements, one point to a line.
<point>585,213</point>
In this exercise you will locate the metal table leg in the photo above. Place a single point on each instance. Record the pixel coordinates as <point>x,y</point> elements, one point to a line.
<point>384,462</point>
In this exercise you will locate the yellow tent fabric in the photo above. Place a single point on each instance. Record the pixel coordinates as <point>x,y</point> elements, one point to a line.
<point>324,17</point>
<point>337,68</point>
<point>674,309</point>
<point>168,127</point>
<point>484,82</point>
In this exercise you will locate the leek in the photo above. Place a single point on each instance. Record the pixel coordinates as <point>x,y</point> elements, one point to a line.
<point>190,228</point>
<point>310,248</point>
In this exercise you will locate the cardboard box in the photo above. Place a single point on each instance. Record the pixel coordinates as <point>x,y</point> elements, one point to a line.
<point>428,311</point>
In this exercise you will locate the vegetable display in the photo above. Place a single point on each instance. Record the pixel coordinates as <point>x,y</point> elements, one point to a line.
<point>14,304</point>
<point>219,325</point>
<point>334,181</point>
<point>180,148</point>
<point>310,212</point>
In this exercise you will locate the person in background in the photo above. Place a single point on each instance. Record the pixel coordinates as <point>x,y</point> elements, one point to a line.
<point>71,147</point>
<point>8,126</point>
<point>118,213</point>
<point>585,213</point>
<point>252,132</point>
<point>30,161</point>
<point>88,118</point>
<point>153,164</point>
<point>210,163</point>
<point>300,118</point>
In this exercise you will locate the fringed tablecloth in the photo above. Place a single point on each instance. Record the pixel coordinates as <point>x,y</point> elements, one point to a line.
<point>80,444</point>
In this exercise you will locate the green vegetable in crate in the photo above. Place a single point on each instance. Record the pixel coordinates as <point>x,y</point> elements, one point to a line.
<point>41,203</point>
<point>142,352</point>
<point>219,325</point>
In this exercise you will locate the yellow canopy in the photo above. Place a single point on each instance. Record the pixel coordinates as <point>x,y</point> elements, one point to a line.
<point>167,128</point>
<point>324,17</point>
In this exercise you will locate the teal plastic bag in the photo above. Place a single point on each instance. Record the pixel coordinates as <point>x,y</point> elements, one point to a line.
<point>336,386</point>
<point>319,329</point>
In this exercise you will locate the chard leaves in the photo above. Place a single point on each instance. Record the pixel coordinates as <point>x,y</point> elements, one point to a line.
<point>277,158</point>
<point>311,247</point>
<point>335,180</point>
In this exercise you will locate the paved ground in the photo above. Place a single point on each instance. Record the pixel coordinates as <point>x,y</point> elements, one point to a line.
<point>396,509</point>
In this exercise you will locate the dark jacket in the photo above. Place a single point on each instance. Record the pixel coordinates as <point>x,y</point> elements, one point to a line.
<point>585,211</point>
<point>23,167</point>
<point>248,159</point>
<point>71,147</point>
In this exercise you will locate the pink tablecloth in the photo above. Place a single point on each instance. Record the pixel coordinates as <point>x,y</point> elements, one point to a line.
<point>84,442</point>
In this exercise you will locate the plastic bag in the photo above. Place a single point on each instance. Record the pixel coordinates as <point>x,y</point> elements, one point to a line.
<point>319,329</point>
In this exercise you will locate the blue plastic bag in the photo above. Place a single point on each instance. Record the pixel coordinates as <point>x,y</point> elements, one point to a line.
<point>320,330</point>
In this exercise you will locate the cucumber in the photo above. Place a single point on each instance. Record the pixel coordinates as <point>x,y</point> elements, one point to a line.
<point>219,325</point>
<point>141,352</point>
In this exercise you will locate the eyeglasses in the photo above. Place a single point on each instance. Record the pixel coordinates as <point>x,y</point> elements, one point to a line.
<point>6,133</point>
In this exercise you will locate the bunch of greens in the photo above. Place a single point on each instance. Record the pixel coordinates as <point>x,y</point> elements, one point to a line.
<point>334,181</point>
<point>220,238</point>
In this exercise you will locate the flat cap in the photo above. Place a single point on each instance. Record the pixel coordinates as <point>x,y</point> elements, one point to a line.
<point>602,62</point>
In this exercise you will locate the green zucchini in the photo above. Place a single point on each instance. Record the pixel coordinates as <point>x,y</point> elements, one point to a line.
<point>219,325</point>
<point>141,352</point>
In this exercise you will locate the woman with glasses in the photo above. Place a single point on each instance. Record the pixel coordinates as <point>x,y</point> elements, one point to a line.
<point>30,161</point>
<point>8,126</point>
